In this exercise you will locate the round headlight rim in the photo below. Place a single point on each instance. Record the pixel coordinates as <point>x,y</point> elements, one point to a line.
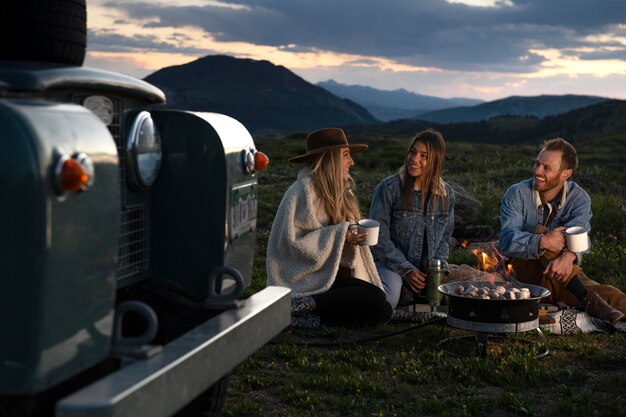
<point>135,178</point>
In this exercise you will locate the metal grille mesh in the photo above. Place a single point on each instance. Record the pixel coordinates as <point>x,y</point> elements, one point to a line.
<point>133,257</point>
<point>133,238</point>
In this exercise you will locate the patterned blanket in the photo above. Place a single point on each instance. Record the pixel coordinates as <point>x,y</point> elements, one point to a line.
<point>570,321</point>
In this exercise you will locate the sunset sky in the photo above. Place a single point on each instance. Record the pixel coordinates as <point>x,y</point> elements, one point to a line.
<point>484,49</point>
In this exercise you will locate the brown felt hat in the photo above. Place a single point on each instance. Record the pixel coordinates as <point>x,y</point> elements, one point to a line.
<point>325,139</point>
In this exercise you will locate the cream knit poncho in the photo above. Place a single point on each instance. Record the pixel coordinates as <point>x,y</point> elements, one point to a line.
<point>304,251</point>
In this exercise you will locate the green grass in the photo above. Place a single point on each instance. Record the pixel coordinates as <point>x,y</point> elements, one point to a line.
<point>410,374</point>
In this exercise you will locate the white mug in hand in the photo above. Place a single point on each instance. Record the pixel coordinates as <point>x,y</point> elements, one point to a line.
<point>371,227</point>
<point>577,240</point>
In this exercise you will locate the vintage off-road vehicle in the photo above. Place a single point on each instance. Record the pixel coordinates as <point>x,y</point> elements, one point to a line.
<point>127,238</point>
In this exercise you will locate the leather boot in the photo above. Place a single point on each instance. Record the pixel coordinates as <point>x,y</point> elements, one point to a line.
<point>600,309</point>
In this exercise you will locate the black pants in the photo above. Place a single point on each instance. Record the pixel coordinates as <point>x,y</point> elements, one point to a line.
<point>352,302</point>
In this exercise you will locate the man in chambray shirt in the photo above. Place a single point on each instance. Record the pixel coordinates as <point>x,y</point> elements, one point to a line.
<point>534,215</point>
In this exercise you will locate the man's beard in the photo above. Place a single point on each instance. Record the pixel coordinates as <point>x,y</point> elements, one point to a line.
<point>547,185</point>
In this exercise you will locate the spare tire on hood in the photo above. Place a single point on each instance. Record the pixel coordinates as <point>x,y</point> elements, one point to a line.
<point>44,30</point>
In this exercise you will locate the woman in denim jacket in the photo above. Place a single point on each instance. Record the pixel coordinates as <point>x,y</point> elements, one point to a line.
<point>415,208</point>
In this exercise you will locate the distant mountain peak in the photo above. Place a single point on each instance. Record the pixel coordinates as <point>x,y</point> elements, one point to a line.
<point>261,95</point>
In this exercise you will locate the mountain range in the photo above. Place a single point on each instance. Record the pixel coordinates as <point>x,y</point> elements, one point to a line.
<point>388,105</point>
<point>602,119</point>
<point>269,98</point>
<point>538,106</point>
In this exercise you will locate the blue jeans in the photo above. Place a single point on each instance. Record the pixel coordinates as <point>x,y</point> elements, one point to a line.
<point>392,284</point>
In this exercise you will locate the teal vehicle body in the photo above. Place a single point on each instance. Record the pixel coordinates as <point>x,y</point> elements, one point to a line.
<point>123,296</point>
<point>52,247</point>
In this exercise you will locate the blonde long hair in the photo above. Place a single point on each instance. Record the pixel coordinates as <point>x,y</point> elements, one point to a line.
<point>431,178</point>
<point>336,195</point>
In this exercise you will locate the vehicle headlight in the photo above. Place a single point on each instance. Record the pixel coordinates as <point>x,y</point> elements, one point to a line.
<point>144,151</point>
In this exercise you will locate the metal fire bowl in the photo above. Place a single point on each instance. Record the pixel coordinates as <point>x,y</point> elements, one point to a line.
<point>496,316</point>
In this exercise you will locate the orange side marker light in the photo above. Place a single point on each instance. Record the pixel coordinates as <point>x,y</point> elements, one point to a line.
<point>72,177</point>
<point>261,161</point>
<point>74,174</point>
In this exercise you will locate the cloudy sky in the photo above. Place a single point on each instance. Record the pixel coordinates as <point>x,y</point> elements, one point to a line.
<point>485,49</point>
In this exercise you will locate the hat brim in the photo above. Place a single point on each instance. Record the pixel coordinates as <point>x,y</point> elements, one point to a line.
<point>357,148</point>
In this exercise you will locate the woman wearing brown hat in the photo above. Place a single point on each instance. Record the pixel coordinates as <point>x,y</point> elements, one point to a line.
<point>312,248</point>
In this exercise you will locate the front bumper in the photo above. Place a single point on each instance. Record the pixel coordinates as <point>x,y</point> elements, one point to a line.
<point>163,384</point>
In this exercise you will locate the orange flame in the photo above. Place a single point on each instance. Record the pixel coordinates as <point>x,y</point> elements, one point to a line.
<point>491,260</point>
<point>486,262</point>
<point>464,244</point>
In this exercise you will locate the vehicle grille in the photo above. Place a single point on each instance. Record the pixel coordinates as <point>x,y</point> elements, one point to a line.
<point>133,255</point>
<point>133,238</point>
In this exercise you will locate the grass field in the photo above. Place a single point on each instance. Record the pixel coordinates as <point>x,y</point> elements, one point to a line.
<point>334,372</point>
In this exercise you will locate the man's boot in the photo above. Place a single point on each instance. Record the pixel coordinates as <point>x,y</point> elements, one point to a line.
<point>600,309</point>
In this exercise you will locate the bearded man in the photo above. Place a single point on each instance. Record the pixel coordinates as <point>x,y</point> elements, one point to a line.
<point>534,215</point>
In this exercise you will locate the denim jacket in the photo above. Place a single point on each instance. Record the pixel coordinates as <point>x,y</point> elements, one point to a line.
<point>521,211</point>
<point>401,234</point>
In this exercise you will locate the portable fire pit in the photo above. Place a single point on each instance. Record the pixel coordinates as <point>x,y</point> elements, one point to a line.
<point>493,310</point>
